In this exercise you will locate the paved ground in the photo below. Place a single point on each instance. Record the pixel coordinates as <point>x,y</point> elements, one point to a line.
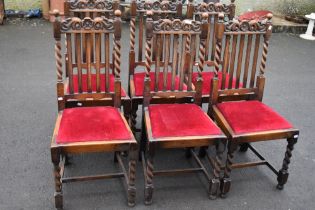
<point>28,112</point>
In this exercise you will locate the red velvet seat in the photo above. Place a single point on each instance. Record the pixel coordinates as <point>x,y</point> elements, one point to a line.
<point>93,81</point>
<point>180,120</point>
<point>92,124</point>
<point>139,78</point>
<point>207,77</point>
<point>252,116</point>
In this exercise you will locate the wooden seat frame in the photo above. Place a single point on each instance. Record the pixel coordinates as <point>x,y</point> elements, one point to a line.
<point>247,92</point>
<point>160,9</point>
<point>149,143</point>
<point>59,151</point>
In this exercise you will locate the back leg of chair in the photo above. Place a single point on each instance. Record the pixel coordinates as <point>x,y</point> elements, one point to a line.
<point>58,185</point>
<point>202,152</point>
<point>133,116</point>
<point>226,181</point>
<point>132,175</point>
<point>283,173</point>
<point>214,187</point>
<point>127,109</point>
<point>148,191</point>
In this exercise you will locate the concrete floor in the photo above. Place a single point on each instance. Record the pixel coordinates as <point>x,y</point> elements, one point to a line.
<point>28,113</point>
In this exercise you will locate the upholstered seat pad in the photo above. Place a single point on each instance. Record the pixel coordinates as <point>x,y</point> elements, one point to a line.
<point>139,82</point>
<point>207,77</point>
<point>92,124</point>
<point>179,120</point>
<point>252,116</point>
<point>93,84</point>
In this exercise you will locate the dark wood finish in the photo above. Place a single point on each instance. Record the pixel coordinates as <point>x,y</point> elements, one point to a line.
<point>88,49</point>
<point>1,11</point>
<point>237,32</point>
<point>97,27</point>
<point>160,9</point>
<point>165,30</point>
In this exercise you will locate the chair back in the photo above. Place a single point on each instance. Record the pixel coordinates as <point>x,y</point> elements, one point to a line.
<point>160,9</point>
<point>244,47</point>
<point>213,9</point>
<point>180,36</point>
<point>85,86</point>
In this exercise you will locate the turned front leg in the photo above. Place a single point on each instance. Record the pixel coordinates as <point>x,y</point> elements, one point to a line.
<point>283,172</point>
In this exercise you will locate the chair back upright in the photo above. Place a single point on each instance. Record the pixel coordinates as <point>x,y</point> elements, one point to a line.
<point>213,9</point>
<point>80,88</point>
<point>243,44</point>
<point>160,9</point>
<point>173,34</point>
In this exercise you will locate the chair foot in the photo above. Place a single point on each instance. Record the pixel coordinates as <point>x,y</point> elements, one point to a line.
<point>282,179</point>
<point>244,147</point>
<point>225,186</point>
<point>131,196</point>
<point>148,194</point>
<point>214,188</point>
<point>58,200</point>
<point>202,152</point>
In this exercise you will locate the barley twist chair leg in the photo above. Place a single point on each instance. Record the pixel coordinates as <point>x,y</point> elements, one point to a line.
<point>133,117</point>
<point>214,187</point>
<point>148,192</point>
<point>132,176</point>
<point>58,185</point>
<point>226,181</point>
<point>283,173</point>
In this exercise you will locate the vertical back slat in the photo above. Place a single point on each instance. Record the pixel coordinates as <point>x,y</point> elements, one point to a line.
<point>107,62</point>
<point>182,62</point>
<point>88,62</point>
<point>70,64</point>
<point>255,58</point>
<point>166,60</point>
<point>226,61</point>
<point>208,37</point>
<point>239,61</point>
<point>247,59</point>
<point>98,60</point>
<point>157,64</point>
<point>232,63</point>
<point>175,61</point>
<point>79,59</point>
<point>191,61</point>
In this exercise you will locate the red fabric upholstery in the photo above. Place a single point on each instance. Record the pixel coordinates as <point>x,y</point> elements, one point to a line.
<point>254,15</point>
<point>92,124</point>
<point>207,77</point>
<point>93,81</point>
<point>139,82</point>
<point>179,120</point>
<point>252,116</point>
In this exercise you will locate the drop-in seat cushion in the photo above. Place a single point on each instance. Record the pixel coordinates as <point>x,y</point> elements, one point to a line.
<point>86,124</point>
<point>93,84</point>
<point>180,120</point>
<point>252,116</point>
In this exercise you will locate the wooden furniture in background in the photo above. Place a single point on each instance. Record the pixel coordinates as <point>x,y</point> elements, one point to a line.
<point>160,9</point>
<point>1,11</point>
<point>236,98</point>
<point>90,129</point>
<point>171,124</point>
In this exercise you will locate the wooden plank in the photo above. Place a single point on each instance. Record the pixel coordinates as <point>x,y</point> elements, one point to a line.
<point>239,61</point>
<point>107,62</point>
<point>175,60</point>
<point>69,64</point>
<point>78,56</point>
<point>88,62</point>
<point>255,58</point>
<point>247,59</point>
<point>232,63</point>
<point>98,60</point>
<point>166,60</point>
